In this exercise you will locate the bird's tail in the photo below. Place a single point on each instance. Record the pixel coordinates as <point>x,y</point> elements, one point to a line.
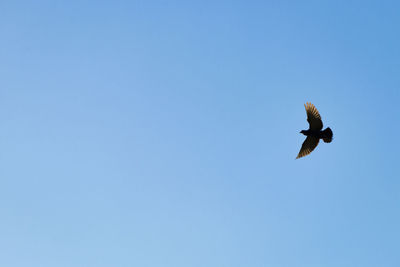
<point>327,135</point>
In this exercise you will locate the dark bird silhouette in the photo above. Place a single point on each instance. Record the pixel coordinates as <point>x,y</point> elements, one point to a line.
<point>314,133</point>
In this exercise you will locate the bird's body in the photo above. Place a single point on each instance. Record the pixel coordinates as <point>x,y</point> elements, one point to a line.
<point>326,134</point>
<point>314,133</point>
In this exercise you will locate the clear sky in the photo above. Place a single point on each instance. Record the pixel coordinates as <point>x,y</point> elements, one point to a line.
<point>164,133</point>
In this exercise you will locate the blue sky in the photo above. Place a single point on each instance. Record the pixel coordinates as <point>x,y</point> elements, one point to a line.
<point>164,133</point>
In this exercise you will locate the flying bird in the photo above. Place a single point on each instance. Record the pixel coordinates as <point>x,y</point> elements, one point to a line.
<point>314,132</point>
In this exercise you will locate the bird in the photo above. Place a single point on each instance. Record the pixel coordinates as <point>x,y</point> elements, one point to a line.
<point>314,133</point>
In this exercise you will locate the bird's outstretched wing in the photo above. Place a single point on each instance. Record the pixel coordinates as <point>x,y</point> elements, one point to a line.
<point>308,146</point>
<point>313,117</point>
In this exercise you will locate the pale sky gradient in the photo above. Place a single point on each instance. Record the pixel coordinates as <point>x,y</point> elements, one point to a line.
<point>164,133</point>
